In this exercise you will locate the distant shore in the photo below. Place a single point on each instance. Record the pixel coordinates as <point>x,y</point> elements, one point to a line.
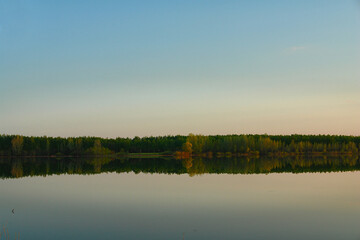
<point>180,156</point>
<point>181,146</point>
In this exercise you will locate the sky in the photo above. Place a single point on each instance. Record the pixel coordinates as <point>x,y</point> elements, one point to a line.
<point>149,68</point>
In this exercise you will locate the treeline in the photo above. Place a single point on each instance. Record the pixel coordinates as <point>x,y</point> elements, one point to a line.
<point>13,145</point>
<point>269,145</point>
<point>22,167</point>
<point>217,145</point>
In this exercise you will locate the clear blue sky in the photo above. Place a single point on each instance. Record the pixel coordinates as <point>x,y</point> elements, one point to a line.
<point>127,68</point>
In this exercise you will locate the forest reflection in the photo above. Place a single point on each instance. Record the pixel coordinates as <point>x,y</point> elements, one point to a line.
<point>24,167</point>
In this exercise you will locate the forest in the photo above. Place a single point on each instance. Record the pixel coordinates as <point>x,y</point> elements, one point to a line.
<point>181,146</point>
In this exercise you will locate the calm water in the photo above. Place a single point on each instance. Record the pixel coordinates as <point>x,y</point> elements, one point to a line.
<point>180,199</point>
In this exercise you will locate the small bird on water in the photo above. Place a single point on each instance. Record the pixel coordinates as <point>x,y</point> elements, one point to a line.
<point>13,211</point>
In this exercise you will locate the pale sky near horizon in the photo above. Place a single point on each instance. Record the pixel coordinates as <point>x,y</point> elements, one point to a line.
<point>141,68</point>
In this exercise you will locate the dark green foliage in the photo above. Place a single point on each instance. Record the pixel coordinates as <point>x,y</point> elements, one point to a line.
<point>236,144</point>
<point>277,144</point>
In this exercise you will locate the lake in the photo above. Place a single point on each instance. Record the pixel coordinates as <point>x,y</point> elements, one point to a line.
<point>166,198</point>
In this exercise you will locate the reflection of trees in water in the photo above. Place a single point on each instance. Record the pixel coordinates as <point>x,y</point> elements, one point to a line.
<point>194,166</point>
<point>20,167</point>
<point>4,233</point>
<point>70,168</point>
<point>98,162</point>
<point>17,169</point>
<point>78,167</point>
<point>187,163</point>
<point>199,166</point>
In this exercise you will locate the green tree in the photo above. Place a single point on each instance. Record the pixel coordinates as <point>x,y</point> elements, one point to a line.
<point>17,144</point>
<point>197,141</point>
<point>78,146</point>
<point>97,144</point>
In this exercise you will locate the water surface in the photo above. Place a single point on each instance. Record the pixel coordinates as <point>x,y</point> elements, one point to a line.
<point>180,199</point>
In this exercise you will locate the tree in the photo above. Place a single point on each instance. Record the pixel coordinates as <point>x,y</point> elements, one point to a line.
<point>78,146</point>
<point>187,147</point>
<point>98,149</point>
<point>70,145</point>
<point>197,141</point>
<point>97,144</point>
<point>47,146</point>
<point>17,144</point>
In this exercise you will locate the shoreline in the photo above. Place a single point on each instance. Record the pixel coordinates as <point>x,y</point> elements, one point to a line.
<point>184,156</point>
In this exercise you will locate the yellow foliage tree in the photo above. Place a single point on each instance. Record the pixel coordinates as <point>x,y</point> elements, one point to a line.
<point>187,147</point>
